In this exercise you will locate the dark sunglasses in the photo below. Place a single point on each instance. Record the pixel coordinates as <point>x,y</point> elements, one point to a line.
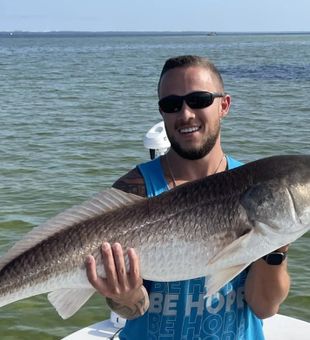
<point>195,100</point>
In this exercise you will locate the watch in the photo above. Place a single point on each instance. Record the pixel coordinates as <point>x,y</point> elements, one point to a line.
<point>275,258</point>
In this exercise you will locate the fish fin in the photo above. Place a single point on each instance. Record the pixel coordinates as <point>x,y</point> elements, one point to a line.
<point>104,201</point>
<point>233,247</point>
<point>68,301</point>
<point>223,274</point>
<point>215,282</point>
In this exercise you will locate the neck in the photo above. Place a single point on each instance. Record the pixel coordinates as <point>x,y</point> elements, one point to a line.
<point>179,170</point>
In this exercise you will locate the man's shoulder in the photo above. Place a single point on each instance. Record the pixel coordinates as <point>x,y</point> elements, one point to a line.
<point>132,182</point>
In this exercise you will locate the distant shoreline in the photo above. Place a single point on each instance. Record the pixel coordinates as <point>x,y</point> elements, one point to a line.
<point>15,34</point>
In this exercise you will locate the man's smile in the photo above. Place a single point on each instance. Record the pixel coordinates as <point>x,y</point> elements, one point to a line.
<point>190,129</point>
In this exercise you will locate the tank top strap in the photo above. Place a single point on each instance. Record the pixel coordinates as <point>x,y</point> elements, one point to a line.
<point>153,175</point>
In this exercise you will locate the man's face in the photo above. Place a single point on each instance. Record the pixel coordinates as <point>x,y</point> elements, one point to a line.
<point>192,132</point>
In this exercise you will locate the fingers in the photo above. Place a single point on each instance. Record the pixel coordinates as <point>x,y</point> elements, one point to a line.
<point>91,273</point>
<point>110,266</point>
<point>91,269</point>
<point>134,269</point>
<point>103,286</point>
<point>118,281</point>
<point>120,265</point>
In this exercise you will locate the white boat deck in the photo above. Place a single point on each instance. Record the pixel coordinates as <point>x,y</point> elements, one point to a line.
<point>278,327</point>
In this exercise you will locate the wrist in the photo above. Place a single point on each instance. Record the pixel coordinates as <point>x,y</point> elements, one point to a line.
<point>131,297</point>
<point>277,256</point>
<point>131,305</point>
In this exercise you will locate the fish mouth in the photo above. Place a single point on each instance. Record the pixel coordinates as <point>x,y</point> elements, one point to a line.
<point>189,129</point>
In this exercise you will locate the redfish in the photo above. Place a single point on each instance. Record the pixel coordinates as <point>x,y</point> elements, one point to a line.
<point>213,227</point>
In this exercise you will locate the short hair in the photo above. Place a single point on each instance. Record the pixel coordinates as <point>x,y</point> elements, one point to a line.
<point>191,60</point>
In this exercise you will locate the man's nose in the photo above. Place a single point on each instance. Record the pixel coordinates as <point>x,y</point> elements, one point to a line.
<point>186,111</point>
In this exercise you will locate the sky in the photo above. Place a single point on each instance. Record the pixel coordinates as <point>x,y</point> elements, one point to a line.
<point>158,15</point>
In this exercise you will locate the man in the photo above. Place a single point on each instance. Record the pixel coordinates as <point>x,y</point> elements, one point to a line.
<point>192,103</point>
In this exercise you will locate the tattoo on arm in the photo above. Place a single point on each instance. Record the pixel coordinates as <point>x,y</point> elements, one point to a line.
<point>130,188</point>
<point>129,312</point>
<point>132,183</point>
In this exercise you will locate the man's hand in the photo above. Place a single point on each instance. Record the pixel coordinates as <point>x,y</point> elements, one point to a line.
<point>124,290</point>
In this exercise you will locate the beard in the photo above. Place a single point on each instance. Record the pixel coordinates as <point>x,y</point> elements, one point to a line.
<point>198,152</point>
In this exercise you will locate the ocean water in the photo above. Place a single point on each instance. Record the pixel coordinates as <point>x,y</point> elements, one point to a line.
<point>73,114</point>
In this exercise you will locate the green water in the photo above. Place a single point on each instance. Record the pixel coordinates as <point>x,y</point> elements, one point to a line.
<point>73,114</point>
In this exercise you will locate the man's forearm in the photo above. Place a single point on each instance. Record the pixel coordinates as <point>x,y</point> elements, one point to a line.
<point>133,308</point>
<point>266,287</point>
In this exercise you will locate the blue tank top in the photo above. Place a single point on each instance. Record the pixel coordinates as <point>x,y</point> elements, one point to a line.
<point>178,310</point>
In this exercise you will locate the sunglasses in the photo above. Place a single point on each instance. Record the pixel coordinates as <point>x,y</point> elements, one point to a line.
<point>195,100</point>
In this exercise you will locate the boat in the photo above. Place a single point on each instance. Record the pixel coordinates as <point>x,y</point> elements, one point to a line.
<point>275,328</point>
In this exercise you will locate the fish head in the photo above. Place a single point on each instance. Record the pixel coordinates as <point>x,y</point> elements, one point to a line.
<point>280,201</point>
<point>297,183</point>
<point>300,194</point>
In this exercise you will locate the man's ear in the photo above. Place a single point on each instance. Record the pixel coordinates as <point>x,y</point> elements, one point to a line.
<point>225,105</point>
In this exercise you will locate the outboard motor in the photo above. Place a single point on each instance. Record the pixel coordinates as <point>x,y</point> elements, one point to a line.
<point>156,140</point>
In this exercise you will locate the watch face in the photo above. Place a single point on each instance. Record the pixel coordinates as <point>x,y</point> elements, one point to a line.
<point>275,258</point>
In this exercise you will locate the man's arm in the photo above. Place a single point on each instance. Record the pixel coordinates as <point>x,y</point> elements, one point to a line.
<point>124,292</point>
<point>267,286</point>
<point>132,183</point>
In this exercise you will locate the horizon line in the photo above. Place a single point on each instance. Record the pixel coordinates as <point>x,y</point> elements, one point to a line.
<point>151,31</point>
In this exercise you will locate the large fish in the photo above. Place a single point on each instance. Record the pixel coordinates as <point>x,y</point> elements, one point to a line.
<point>212,227</point>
